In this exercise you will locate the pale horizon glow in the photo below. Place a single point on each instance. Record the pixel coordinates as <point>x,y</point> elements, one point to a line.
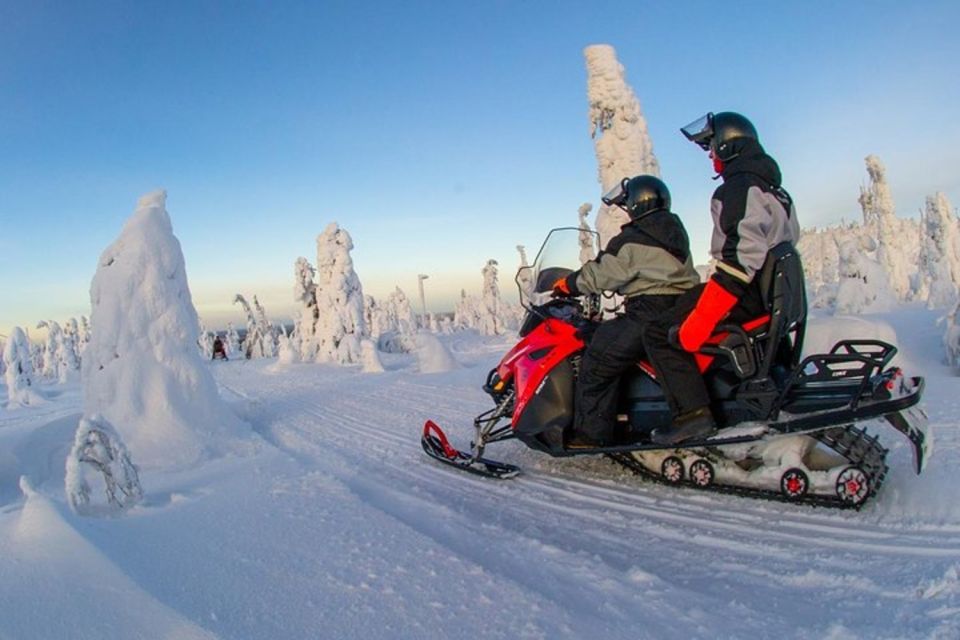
<point>435,147</point>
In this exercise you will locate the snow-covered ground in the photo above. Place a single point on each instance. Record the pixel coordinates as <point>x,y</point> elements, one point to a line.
<point>338,526</point>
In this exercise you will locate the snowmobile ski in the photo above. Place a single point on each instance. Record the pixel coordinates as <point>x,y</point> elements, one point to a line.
<point>436,445</point>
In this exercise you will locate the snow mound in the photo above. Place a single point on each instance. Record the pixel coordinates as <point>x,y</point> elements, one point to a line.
<point>142,371</point>
<point>432,355</point>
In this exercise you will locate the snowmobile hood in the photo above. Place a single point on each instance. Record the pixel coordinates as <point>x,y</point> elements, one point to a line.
<point>751,158</point>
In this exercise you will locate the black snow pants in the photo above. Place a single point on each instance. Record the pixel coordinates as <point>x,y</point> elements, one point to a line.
<point>614,348</point>
<point>676,369</point>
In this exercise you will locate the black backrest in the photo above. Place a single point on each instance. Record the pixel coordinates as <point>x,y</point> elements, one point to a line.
<point>784,294</point>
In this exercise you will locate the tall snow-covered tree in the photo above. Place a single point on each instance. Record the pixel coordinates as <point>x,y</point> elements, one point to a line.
<point>234,350</point>
<point>141,371</point>
<point>619,131</point>
<point>340,328</point>
<point>305,295</point>
<point>897,241</point>
<point>939,261</point>
<point>205,343</point>
<point>72,344</point>
<point>253,340</point>
<point>491,319</point>
<point>268,332</point>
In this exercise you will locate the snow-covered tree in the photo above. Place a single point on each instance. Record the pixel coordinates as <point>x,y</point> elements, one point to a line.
<point>268,332</point>
<point>863,282</point>
<point>205,343</point>
<point>340,328</point>
<point>588,249</point>
<point>99,458</point>
<point>18,373</point>
<point>491,311</point>
<point>260,341</point>
<point>234,350</point>
<point>53,350</point>
<point>951,337</point>
<point>72,345</point>
<point>525,276</point>
<point>396,324</point>
<point>939,263</point>
<point>141,371</point>
<point>897,241</point>
<point>305,295</point>
<point>287,353</point>
<point>619,131</point>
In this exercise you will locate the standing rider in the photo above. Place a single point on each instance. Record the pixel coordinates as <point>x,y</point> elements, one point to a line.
<point>752,213</point>
<point>648,263</point>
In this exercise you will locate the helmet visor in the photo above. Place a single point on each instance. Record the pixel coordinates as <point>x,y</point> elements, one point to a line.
<point>616,196</point>
<point>700,131</point>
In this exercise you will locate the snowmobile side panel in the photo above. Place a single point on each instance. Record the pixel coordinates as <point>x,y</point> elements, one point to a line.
<point>549,411</point>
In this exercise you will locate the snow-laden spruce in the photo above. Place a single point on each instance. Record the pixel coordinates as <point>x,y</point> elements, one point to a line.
<point>619,131</point>
<point>141,370</point>
<point>939,253</point>
<point>339,328</point>
<point>261,337</point>
<point>894,253</point>
<point>18,371</point>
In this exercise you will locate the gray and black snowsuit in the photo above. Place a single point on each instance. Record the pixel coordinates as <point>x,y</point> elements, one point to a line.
<point>752,213</point>
<point>649,263</point>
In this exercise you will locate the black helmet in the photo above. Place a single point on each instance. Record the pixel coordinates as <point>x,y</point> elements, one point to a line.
<point>715,131</point>
<point>639,196</point>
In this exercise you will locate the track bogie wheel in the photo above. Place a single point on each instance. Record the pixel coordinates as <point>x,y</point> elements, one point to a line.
<point>794,483</point>
<point>853,486</point>
<point>701,473</point>
<point>672,469</point>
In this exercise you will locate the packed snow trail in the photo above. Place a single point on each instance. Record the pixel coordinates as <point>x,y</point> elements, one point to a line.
<point>341,527</point>
<point>582,531</point>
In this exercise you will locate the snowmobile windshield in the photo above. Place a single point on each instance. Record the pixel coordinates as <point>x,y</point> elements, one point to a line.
<point>563,251</point>
<point>700,131</point>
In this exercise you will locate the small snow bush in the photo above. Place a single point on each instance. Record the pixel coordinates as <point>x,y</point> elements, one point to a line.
<point>100,459</point>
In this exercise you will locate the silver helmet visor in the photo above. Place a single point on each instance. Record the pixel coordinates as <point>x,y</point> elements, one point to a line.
<point>700,131</point>
<point>616,196</point>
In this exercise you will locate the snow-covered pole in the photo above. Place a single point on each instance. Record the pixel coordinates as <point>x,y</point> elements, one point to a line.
<point>423,300</point>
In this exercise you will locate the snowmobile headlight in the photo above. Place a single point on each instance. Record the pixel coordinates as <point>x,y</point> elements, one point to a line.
<point>616,196</point>
<point>700,131</point>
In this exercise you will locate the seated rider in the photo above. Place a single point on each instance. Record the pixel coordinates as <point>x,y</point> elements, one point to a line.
<point>752,213</point>
<point>648,263</point>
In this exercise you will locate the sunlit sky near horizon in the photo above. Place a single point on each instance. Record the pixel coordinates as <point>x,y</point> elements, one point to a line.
<point>439,134</point>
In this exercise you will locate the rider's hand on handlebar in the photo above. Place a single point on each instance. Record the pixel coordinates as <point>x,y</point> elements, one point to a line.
<point>561,289</point>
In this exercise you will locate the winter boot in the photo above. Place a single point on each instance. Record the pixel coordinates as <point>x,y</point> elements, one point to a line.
<point>696,424</point>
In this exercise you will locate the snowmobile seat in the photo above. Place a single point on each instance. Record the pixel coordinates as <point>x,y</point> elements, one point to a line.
<point>756,348</point>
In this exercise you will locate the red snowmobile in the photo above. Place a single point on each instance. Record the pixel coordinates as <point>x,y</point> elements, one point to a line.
<point>788,425</point>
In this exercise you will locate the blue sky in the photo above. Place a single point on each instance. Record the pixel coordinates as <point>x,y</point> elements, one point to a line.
<point>439,134</point>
